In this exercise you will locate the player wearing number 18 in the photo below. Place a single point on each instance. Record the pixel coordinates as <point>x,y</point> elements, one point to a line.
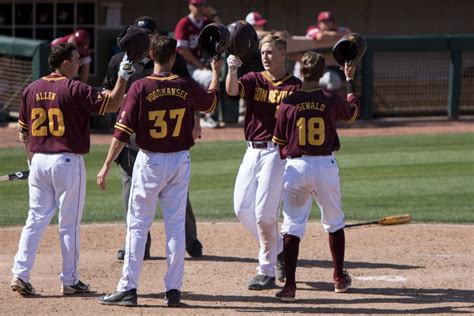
<point>54,127</point>
<point>306,134</point>
<point>159,109</point>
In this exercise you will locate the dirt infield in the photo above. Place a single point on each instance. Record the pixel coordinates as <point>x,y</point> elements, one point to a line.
<point>407,269</point>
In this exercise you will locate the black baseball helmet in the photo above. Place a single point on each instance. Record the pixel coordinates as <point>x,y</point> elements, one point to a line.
<point>243,39</point>
<point>351,47</point>
<point>213,40</point>
<point>148,24</point>
<point>135,41</point>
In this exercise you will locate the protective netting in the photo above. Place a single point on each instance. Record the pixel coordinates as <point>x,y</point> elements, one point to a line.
<point>410,82</point>
<point>467,82</point>
<point>15,75</point>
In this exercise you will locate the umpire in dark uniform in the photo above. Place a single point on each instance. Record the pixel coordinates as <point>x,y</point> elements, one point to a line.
<point>127,157</point>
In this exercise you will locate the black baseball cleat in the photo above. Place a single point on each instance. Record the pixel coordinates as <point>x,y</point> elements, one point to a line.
<point>194,249</point>
<point>173,298</point>
<point>127,298</point>
<point>23,288</point>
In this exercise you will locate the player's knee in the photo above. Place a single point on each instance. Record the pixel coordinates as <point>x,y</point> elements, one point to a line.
<point>266,222</point>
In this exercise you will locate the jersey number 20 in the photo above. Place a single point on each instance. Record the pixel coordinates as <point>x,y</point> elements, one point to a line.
<point>311,131</point>
<point>39,116</point>
<point>161,127</point>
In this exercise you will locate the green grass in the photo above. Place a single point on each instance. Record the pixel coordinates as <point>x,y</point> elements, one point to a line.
<point>431,177</point>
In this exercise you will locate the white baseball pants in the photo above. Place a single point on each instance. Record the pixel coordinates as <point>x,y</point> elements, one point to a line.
<point>162,177</point>
<point>256,199</point>
<point>55,181</point>
<point>306,178</point>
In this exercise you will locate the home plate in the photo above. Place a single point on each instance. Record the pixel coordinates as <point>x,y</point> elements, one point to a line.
<point>387,278</point>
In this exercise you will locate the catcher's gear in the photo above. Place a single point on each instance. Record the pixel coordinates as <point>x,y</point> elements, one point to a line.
<point>126,69</point>
<point>350,48</point>
<point>135,41</point>
<point>82,41</point>
<point>243,39</point>
<point>214,39</point>
<point>146,23</point>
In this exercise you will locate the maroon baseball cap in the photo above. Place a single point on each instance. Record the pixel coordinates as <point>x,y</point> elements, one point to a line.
<point>326,15</point>
<point>197,2</point>
<point>255,18</point>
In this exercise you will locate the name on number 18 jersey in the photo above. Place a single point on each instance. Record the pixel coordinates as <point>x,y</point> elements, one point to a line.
<point>306,122</point>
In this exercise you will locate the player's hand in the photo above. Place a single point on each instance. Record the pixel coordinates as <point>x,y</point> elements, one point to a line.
<point>102,177</point>
<point>197,129</point>
<point>349,70</point>
<point>216,64</point>
<point>234,63</point>
<point>126,69</point>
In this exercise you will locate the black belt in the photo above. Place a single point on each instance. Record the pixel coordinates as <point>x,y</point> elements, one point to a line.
<point>259,145</point>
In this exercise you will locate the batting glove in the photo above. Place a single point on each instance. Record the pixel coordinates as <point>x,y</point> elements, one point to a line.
<point>126,69</point>
<point>233,62</point>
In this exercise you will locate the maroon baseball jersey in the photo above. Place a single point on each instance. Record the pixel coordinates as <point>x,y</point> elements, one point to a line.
<point>187,33</point>
<point>262,96</point>
<point>55,111</point>
<point>306,122</point>
<point>84,52</point>
<point>160,110</point>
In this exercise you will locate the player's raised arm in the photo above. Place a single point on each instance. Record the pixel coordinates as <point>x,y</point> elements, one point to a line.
<point>231,81</point>
<point>126,70</point>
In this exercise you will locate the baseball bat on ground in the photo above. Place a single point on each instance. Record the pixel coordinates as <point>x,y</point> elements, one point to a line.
<point>388,220</point>
<point>20,175</point>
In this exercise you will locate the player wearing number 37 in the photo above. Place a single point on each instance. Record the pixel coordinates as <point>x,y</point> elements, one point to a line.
<point>54,127</point>
<point>159,109</point>
<point>306,134</point>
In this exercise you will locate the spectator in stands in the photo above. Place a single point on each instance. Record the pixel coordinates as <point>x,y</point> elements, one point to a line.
<point>187,32</point>
<point>82,41</point>
<point>327,33</point>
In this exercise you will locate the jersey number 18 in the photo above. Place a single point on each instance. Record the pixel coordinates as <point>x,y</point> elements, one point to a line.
<point>311,131</point>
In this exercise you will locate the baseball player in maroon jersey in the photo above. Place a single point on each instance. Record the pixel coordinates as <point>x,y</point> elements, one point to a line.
<point>306,134</point>
<point>82,41</point>
<point>259,181</point>
<point>159,109</point>
<point>54,127</point>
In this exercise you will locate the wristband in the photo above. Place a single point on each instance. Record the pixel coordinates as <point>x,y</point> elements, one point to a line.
<point>350,86</point>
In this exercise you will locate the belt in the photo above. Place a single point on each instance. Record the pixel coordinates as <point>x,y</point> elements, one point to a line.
<point>260,145</point>
<point>318,156</point>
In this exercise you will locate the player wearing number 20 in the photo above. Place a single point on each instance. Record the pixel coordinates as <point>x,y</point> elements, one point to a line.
<point>306,134</point>
<point>54,127</point>
<point>159,109</point>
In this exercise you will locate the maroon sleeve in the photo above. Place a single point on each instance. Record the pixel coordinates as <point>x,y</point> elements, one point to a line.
<point>348,110</point>
<point>201,99</point>
<point>23,119</point>
<point>283,128</point>
<point>247,85</point>
<point>180,30</point>
<point>127,119</point>
<point>89,99</point>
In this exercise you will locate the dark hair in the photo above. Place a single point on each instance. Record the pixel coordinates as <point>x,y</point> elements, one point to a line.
<point>60,53</point>
<point>162,48</point>
<point>312,66</point>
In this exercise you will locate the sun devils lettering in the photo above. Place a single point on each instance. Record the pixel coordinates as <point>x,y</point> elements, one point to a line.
<point>272,96</point>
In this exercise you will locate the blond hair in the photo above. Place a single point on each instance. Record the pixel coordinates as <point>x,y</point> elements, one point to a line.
<point>278,42</point>
<point>312,66</point>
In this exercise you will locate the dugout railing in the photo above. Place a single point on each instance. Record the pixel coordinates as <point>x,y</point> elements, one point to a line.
<point>418,76</point>
<point>21,62</point>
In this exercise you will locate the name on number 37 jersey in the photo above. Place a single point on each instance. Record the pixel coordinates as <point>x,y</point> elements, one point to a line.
<point>160,111</point>
<point>55,111</point>
<point>306,122</point>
